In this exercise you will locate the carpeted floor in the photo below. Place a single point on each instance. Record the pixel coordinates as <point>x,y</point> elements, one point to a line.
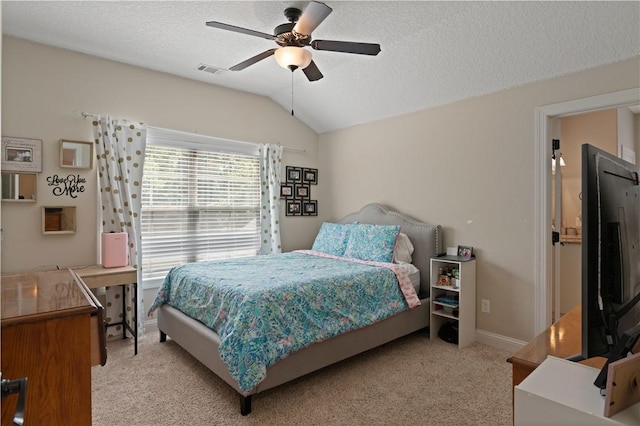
<point>412,381</point>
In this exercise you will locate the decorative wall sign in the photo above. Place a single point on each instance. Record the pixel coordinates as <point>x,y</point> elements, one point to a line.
<point>21,154</point>
<point>296,191</point>
<point>70,185</point>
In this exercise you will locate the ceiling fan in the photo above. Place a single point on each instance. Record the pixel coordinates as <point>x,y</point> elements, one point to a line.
<point>294,36</point>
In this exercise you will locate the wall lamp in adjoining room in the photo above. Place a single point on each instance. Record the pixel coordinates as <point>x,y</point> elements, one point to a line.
<point>553,162</point>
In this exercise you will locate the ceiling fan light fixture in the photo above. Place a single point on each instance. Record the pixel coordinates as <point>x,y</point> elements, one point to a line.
<point>292,57</point>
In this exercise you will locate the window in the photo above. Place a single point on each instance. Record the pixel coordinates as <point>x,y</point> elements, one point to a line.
<point>200,201</point>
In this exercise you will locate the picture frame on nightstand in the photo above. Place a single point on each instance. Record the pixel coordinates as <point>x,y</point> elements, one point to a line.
<point>465,252</point>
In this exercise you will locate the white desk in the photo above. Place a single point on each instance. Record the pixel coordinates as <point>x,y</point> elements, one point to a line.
<point>561,392</point>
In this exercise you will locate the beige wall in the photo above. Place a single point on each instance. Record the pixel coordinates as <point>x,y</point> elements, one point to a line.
<point>42,87</point>
<point>468,166</point>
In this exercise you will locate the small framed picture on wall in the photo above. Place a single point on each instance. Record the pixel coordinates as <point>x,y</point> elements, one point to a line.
<point>302,192</point>
<point>294,174</point>
<point>310,176</point>
<point>310,208</point>
<point>294,208</point>
<point>21,154</point>
<point>286,190</point>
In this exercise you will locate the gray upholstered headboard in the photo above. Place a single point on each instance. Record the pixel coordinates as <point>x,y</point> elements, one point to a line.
<point>426,238</point>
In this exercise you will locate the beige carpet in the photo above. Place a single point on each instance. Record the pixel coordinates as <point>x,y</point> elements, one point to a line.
<point>412,381</point>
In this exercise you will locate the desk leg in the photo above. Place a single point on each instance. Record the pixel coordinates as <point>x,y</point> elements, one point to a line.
<point>124,311</point>
<point>132,329</point>
<point>125,326</point>
<point>135,322</point>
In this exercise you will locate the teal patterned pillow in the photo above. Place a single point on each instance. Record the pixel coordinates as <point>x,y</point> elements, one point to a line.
<point>372,242</point>
<point>332,238</point>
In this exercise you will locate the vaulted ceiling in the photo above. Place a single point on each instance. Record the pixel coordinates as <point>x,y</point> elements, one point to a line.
<point>433,53</point>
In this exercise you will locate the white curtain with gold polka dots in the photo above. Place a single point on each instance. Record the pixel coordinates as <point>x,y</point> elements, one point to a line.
<point>120,146</point>
<point>270,166</point>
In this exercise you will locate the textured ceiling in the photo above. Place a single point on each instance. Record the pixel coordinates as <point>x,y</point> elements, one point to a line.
<point>433,53</point>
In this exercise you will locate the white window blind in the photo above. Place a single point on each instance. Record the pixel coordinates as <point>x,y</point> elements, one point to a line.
<point>200,201</point>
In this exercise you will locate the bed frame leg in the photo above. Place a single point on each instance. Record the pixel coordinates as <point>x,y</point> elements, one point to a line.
<point>163,336</point>
<point>245,404</point>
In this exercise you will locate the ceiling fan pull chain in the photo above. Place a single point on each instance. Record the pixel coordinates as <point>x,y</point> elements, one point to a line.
<point>292,93</point>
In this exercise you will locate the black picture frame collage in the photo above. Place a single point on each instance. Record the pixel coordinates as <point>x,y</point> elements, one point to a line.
<point>296,191</point>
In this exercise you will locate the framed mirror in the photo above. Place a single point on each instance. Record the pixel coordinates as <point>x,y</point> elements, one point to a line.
<point>76,154</point>
<point>19,187</point>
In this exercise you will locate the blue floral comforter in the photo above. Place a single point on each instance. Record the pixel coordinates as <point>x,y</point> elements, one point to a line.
<point>267,307</point>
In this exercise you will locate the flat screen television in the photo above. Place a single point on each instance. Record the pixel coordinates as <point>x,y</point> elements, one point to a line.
<point>610,255</point>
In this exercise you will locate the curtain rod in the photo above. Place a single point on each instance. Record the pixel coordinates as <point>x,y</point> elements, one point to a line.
<point>297,150</point>
<point>91,115</point>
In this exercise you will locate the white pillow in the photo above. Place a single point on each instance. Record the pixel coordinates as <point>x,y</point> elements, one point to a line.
<point>403,249</point>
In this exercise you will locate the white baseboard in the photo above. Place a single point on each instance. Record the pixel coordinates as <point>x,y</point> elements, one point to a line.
<point>498,341</point>
<point>151,325</point>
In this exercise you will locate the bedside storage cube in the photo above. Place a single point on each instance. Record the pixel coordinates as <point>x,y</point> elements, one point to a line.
<point>454,301</point>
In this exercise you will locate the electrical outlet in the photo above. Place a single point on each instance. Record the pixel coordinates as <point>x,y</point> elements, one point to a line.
<point>486,306</point>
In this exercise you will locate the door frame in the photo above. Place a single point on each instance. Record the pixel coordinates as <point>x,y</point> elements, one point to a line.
<point>543,248</point>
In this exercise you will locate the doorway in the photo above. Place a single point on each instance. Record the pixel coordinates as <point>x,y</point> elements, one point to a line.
<point>604,129</point>
<point>543,221</point>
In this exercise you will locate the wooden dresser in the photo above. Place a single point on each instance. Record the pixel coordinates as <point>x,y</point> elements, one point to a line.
<point>562,340</point>
<point>52,333</point>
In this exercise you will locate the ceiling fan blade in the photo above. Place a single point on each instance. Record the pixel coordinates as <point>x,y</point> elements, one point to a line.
<point>313,15</point>
<point>244,64</point>
<point>241,30</point>
<point>312,72</point>
<point>347,47</point>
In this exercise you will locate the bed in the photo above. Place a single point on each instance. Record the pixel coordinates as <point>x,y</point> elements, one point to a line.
<point>191,333</point>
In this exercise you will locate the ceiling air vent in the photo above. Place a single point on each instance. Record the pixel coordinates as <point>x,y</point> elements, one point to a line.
<point>209,69</point>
